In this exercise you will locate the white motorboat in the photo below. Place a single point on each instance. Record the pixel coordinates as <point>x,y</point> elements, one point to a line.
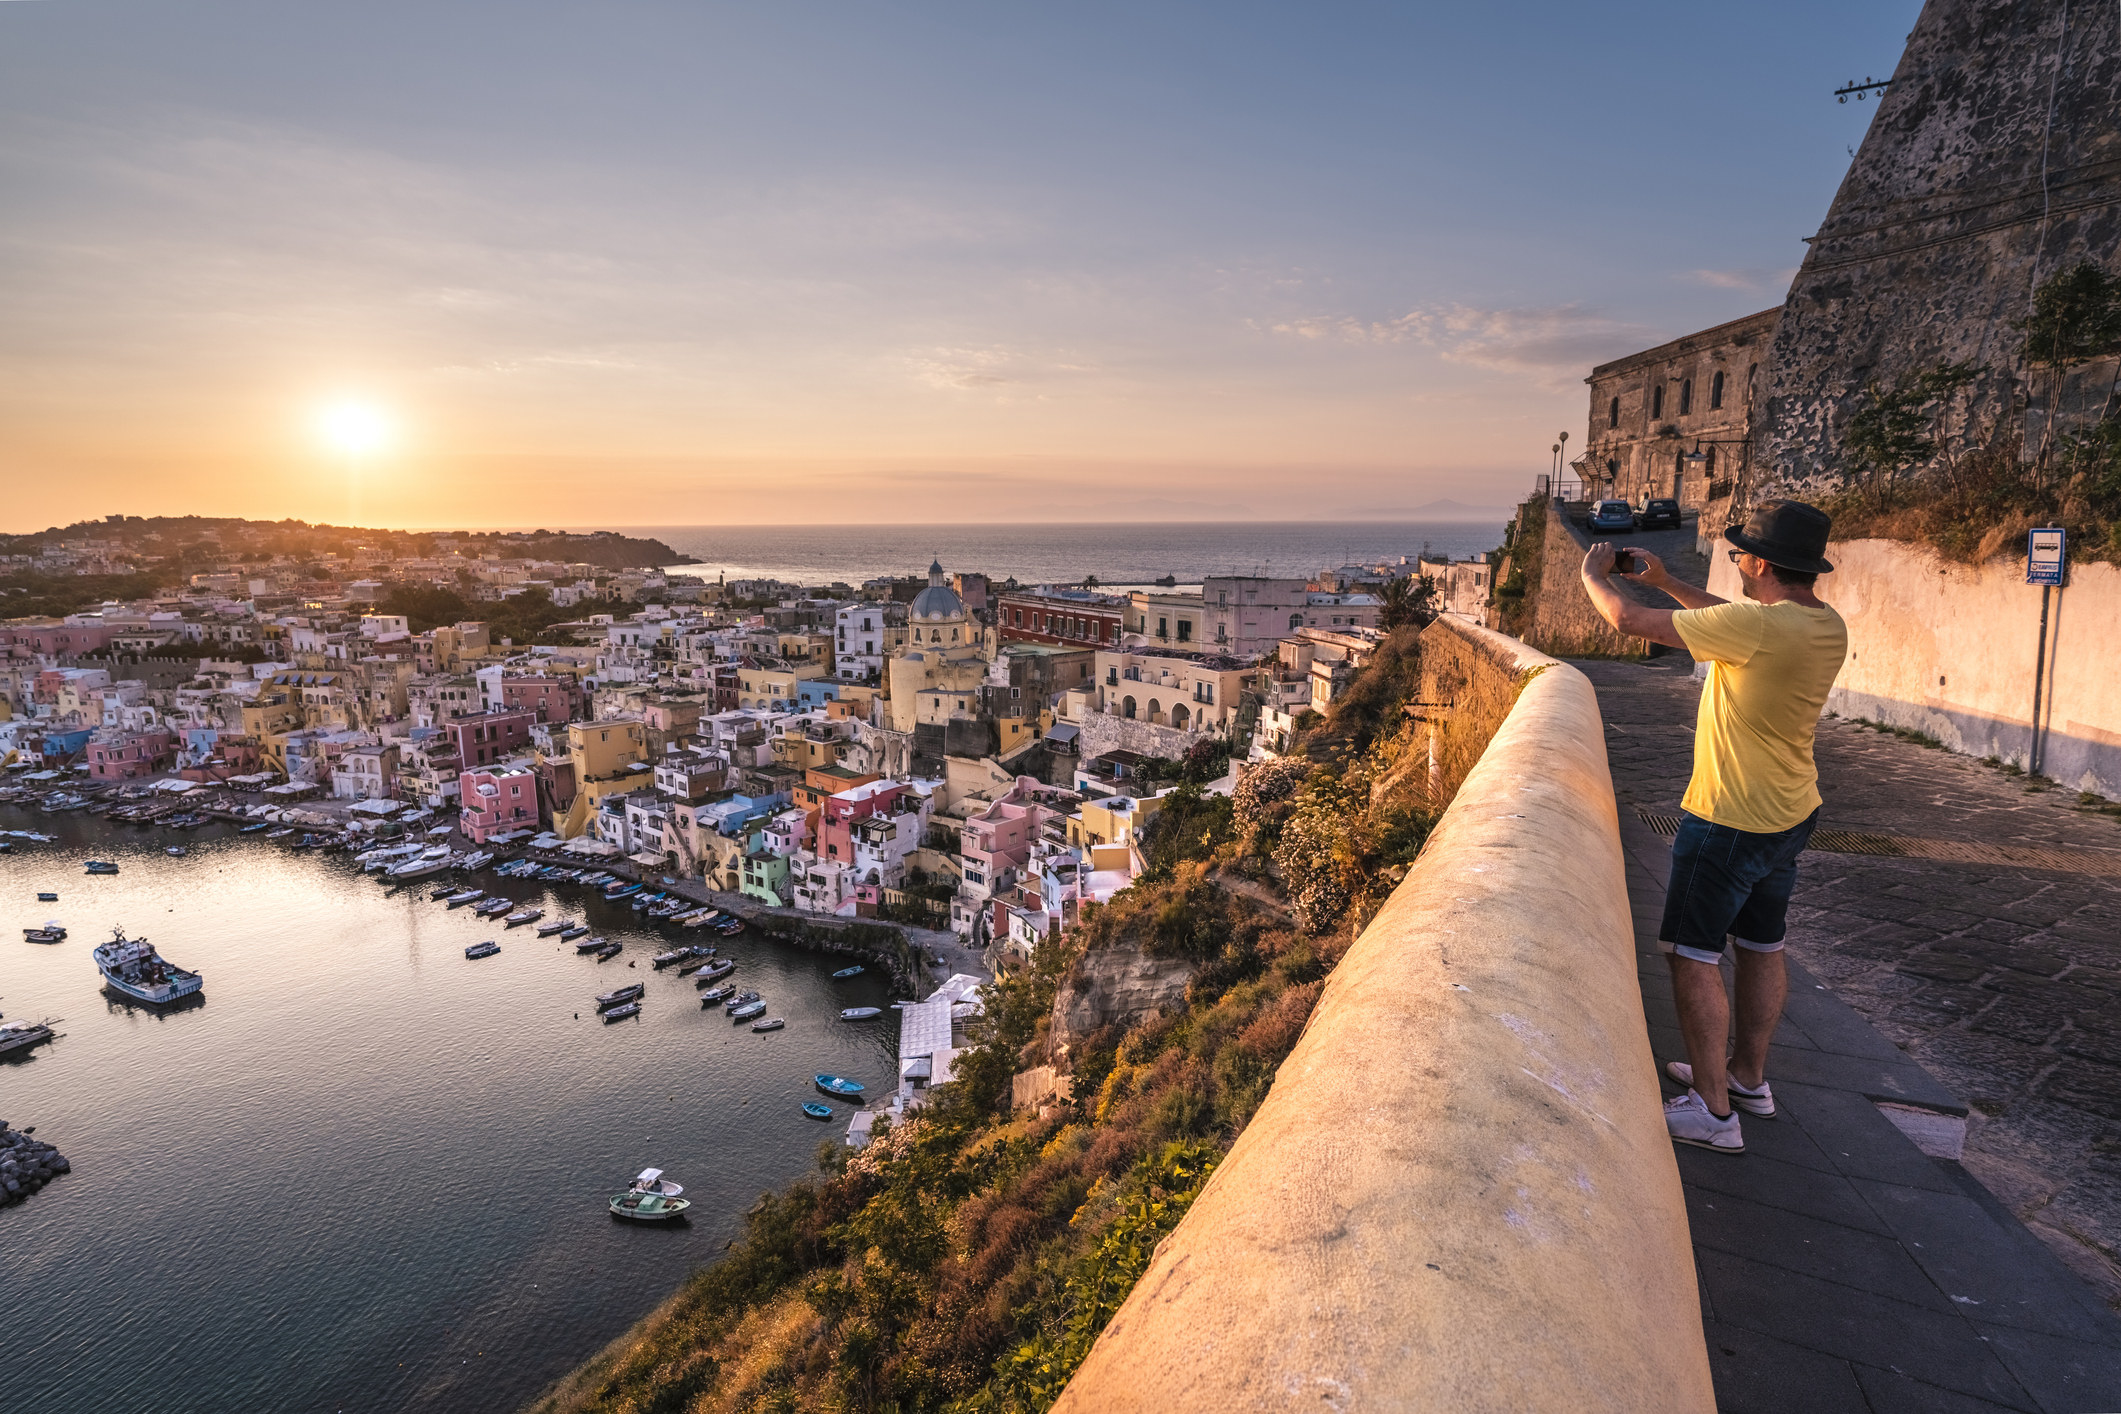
<point>419,867</point>
<point>652,1181</point>
<point>522,916</point>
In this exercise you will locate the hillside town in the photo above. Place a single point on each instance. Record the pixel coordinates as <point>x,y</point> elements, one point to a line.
<point>943,750</point>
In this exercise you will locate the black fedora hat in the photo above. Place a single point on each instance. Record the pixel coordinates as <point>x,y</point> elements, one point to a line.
<point>1790,534</point>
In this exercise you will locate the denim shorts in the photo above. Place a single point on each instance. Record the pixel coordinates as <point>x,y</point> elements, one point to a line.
<point>1730,882</point>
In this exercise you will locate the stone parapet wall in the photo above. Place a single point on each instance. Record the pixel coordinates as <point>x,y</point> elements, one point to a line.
<point>1459,1193</point>
<point>1107,731</point>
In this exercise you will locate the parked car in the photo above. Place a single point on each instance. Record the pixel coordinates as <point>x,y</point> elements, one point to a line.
<point>1612,515</point>
<point>1657,513</point>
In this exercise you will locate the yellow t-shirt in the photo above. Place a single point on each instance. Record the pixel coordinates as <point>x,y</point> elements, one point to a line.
<point>1770,666</point>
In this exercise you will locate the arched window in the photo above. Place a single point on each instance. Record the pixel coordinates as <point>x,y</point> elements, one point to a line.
<point>1126,708</point>
<point>1686,397</point>
<point>1656,402</point>
<point>1612,413</point>
<point>1179,716</point>
<point>1716,391</point>
<point>1156,710</point>
<point>1296,621</point>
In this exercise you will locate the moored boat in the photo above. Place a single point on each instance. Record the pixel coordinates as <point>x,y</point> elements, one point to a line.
<point>609,951</point>
<point>860,1013</point>
<point>652,1181</point>
<point>664,959</point>
<point>51,932</point>
<point>485,949</point>
<point>771,1023</point>
<point>816,1110</point>
<point>494,907</point>
<point>573,931</point>
<point>620,1013</point>
<point>17,1036</point>
<point>441,893</point>
<point>714,996</point>
<point>641,1207</point>
<point>522,916</point>
<point>556,925</point>
<point>132,966</point>
<point>100,866</point>
<point>47,897</point>
<point>589,945</point>
<point>620,997</point>
<point>464,896</point>
<point>709,974</point>
<point>854,971</point>
<point>839,1085</point>
<point>176,851</point>
<point>746,1011</point>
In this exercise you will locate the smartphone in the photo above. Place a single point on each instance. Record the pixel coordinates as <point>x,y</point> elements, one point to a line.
<point>1624,562</point>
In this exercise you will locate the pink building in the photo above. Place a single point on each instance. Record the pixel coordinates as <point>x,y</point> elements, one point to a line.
<point>996,842</point>
<point>839,814</point>
<point>493,802</point>
<point>126,756</point>
<point>60,638</point>
<point>548,699</point>
<point>489,738</point>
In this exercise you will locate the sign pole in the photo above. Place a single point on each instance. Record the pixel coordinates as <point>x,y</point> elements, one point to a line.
<point>2032,755</point>
<point>2046,563</point>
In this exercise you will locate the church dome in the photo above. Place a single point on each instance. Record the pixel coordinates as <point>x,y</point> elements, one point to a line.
<point>938,600</point>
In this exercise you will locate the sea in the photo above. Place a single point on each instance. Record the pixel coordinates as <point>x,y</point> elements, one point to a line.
<point>1118,555</point>
<point>361,1172</point>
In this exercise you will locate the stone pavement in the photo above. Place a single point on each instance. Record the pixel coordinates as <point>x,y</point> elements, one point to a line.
<point>1841,1267</point>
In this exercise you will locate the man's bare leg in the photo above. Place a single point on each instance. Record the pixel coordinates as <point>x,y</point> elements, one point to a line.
<point>1705,1022</point>
<point>1763,988</point>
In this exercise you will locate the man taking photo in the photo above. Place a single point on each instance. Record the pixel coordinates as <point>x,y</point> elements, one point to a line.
<point>1752,803</point>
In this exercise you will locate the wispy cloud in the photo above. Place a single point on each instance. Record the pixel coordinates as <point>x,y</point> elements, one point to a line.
<point>1761,278</point>
<point>1554,345</point>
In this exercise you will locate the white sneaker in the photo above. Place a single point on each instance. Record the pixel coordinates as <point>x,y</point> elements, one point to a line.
<point>1754,1102</point>
<point>1690,1122</point>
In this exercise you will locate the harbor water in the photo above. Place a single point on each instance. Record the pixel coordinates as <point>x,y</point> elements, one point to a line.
<point>360,1172</point>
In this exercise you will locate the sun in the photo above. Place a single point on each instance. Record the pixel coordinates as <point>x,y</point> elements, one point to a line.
<point>353,428</point>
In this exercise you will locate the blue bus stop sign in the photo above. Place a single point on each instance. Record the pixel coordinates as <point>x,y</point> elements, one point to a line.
<point>2043,556</point>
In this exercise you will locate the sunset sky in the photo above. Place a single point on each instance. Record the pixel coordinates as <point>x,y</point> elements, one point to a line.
<point>471,263</point>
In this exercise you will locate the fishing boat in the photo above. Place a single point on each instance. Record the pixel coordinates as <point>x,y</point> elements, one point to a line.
<point>374,861</point>
<point>860,1013</point>
<point>253,829</point>
<point>609,951</point>
<point>620,1013</point>
<point>23,1035</point>
<point>746,1011</point>
<point>51,932</point>
<point>464,896</point>
<point>652,1181</point>
<point>729,927</point>
<point>133,967</point>
<point>522,916</point>
<point>771,1023</point>
<point>714,996</point>
<point>619,889</point>
<point>47,897</point>
<point>589,945</point>
<point>478,859</point>
<point>557,925</point>
<point>573,931</point>
<point>494,907</point>
<point>854,971</point>
<point>623,995</point>
<point>648,1207</point>
<point>100,866</point>
<point>664,959</point>
<point>816,1110</point>
<point>743,999</point>
<point>176,851</point>
<point>720,969</point>
<point>485,949</point>
<point>280,834</point>
<point>839,1085</point>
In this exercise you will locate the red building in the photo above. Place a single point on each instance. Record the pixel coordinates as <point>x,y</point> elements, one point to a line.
<point>1078,618</point>
<point>487,738</point>
<point>494,802</point>
<point>128,756</point>
<point>549,699</point>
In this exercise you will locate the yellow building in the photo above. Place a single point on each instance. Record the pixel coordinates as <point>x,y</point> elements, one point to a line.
<point>1115,820</point>
<point>609,758</point>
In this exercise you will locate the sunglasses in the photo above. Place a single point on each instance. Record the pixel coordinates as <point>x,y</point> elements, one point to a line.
<point>1734,555</point>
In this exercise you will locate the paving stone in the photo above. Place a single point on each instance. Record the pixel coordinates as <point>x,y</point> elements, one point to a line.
<point>1849,1256</point>
<point>1903,1081</point>
<point>1886,1392</point>
<point>1865,1327</point>
<point>1943,967</point>
<point>1814,1192</point>
<point>2031,1022</point>
<point>2061,1374</point>
<point>1758,1374</point>
<point>2087,1085</point>
<point>1857,1140</point>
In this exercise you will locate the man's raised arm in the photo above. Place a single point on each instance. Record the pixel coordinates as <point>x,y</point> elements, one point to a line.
<point>1624,613</point>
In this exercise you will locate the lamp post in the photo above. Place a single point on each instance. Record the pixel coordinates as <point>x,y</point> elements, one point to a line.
<point>1561,449</point>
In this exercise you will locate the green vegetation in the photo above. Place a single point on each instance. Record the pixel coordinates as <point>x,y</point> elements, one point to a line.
<point>529,617</point>
<point>965,1261</point>
<point>26,594</point>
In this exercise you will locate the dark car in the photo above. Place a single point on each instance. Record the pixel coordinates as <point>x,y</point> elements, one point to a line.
<point>1612,515</point>
<point>1658,512</point>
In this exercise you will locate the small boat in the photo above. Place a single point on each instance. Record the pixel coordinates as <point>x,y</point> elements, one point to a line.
<point>463,896</point>
<point>743,999</point>
<point>609,951</point>
<point>648,1207</point>
<point>176,851</point>
<point>620,1013</point>
<point>607,1000</point>
<point>252,829</point>
<point>729,927</point>
<point>522,916</point>
<point>557,925</point>
<point>47,898</point>
<point>771,1023</point>
<point>589,945</point>
<point>51,932</point>
<point>664,959</point>
<point>23,1035</point>
<point>854,971</point>
<point>100,866</point>
<point>619,889</point>
<point>280,834</point>
<point>839,1085</point>
<point>746,1011</point>
<point>485,949</point>
<point>477,860</point>
<point>573,931</point>
<point>816,1110</point>
<point>714,996</point>
<point>720,969</point>
<point>860,1013</point>
<point>494,907</point>
<point>652,1181</point>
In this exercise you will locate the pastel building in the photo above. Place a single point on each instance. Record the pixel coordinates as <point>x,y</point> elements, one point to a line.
<point>495,800</point>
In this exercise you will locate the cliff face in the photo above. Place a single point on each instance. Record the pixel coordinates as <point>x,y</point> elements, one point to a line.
<point>1118,984</point>
<point>1993,161</point>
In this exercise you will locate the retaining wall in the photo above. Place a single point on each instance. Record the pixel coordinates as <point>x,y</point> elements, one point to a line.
<point>1949,649</point>
<point>1459,1193</point>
